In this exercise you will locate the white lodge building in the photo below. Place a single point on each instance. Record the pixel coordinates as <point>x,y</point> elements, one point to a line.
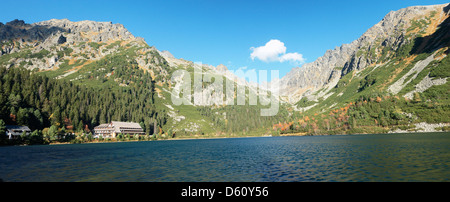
<point>13,131</point>
<point>110,130</point>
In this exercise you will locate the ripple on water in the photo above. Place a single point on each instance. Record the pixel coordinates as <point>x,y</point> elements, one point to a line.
<point>408,157</point>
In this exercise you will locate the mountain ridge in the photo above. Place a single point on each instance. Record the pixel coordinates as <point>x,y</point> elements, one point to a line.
<point>294,85</point>
<point>394,76</point>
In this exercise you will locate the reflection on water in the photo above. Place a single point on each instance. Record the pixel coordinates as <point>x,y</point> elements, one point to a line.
<point>386,157</point>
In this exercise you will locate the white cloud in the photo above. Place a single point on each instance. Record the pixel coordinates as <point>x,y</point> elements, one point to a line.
<point>269,52</point>
<point>295,57</point>
<point>274,50</point>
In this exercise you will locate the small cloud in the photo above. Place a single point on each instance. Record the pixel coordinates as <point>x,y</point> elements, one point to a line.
<point>268,52</point>
<point>274,51</point>
<point>294,57</point>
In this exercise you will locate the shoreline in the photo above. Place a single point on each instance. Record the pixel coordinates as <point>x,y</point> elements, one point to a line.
<point>281,135</point>
<point>224,137</point>
<point>422,127</point>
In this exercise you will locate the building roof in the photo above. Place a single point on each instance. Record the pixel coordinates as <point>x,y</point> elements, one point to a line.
<point>15,127</point>
<point>125,124</point>
<point>121,125</point>
<point>104,125</point>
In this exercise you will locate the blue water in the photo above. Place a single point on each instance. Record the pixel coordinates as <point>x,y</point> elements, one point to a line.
<point>382,157</point>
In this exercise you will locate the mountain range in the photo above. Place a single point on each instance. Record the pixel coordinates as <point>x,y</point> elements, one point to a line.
<point>393,78</point>
<point>377,46</point>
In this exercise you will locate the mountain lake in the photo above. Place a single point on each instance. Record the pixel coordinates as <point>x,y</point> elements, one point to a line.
<point>341,158</point>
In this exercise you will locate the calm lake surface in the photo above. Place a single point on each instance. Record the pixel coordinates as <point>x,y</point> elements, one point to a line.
<point>381,157</point>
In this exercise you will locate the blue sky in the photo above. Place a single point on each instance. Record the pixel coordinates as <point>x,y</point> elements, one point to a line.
<point>224,31</point>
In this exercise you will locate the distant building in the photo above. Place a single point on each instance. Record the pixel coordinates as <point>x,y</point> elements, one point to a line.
<point>13,131</point>
<point>110,130</point>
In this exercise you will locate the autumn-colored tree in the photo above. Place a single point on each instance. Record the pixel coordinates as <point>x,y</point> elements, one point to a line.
<point>378,99</point>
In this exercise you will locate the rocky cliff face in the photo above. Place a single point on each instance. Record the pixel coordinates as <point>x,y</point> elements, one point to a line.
<point>56,32</point>
<point>379,44</point>
<point>41,31</point>
<point>52,44</point>
<point>88,30</point>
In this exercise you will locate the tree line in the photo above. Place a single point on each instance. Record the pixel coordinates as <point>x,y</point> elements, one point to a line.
<point>41,103</point>
<point>374,113</point>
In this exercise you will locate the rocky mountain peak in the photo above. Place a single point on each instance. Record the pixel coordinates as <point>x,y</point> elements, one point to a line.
<point>56,43</point>
<point>16,23</point>
<point>95,31</point>
<point>82,30</point>
<point>396,29</point>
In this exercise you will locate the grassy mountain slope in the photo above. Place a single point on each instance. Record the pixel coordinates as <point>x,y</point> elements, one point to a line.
<point>403,86</point>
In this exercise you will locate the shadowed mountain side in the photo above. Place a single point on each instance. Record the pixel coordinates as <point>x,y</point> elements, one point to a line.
<point>18,29</point>
<point>435,41</point>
